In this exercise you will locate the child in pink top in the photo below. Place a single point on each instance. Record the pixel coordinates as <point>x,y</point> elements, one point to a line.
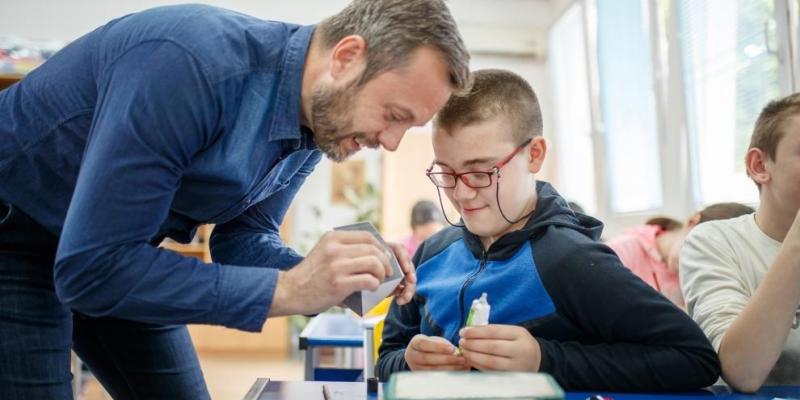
<point>651,251</point>
<point>426,219</point>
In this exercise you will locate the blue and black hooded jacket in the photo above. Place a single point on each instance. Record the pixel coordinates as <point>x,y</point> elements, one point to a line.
<point>599,326</point>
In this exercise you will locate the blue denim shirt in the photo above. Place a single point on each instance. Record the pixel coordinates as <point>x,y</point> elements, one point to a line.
<point>145,128</point>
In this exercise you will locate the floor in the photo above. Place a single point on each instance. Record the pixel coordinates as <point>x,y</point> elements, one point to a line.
<point>228,376</point>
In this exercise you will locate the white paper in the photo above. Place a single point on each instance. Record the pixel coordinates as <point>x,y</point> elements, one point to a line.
<point>365,300</point>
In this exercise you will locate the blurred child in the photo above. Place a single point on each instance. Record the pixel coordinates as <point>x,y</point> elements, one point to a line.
<point>651,251</point>
<point>426,219</point>
<point>741,277</point>
<point>561,302</point>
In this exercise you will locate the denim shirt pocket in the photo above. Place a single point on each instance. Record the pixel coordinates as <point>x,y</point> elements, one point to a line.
<point>278,177</point>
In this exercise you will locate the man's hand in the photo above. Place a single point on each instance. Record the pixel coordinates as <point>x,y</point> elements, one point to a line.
<point>341,263</point>
<point>433,353</point>
<point>405,290</point>
<point>500,348</point>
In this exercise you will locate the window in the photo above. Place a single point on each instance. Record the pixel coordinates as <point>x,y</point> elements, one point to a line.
<point>572,136</point>
<point>730,71</point>
<point>627,106</point>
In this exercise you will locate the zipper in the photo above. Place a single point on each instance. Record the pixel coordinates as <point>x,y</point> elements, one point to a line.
<point>461,293</point>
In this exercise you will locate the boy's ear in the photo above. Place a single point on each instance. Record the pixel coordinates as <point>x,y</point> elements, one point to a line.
<point>694,220</point>
<point>348,58</point>
<point>538,150</point>
<point>755,161</point>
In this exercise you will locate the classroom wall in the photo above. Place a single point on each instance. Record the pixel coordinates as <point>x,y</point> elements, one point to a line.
<point>500,34</point>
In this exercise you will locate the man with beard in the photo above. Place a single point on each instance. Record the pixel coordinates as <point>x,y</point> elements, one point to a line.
<point>177,116</point>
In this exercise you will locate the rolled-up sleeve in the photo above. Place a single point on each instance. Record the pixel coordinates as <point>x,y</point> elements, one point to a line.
<point>253,238</point>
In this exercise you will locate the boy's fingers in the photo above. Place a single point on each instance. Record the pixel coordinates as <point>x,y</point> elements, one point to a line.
<point>434,359</point>
<point>431,345</point>
<point>498,332</point>
<point>486,362</point>
<point>504,348</point>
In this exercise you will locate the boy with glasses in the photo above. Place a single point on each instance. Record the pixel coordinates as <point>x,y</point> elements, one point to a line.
<point>561,302</point>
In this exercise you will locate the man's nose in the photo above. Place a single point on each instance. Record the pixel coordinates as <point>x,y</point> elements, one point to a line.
<point>391,137</point>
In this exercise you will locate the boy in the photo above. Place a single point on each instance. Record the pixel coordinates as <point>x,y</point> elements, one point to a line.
<point>561,302</point>
<point>741,277</point>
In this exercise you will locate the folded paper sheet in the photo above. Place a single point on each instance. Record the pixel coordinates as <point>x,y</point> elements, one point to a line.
<point>363,301</point>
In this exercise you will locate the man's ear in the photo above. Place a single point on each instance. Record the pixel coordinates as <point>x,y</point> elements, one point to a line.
<point>348,58</point>
<point>538,151</point>
<point>755,161</point>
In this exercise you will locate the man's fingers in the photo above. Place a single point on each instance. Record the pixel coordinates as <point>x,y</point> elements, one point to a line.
<point>354,283</point>
<point>405,292</point>
<point>352,237</point>
<point>361,265</point>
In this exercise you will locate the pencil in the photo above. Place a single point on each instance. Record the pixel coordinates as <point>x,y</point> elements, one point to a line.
<point>326,392</point>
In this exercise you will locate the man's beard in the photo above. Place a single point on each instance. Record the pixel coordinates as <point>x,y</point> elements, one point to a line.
<point>332,110</point>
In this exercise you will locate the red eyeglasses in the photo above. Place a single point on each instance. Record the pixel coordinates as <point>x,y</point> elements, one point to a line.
<point>473,179</point>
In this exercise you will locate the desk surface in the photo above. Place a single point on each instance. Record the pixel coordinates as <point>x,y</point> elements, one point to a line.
<point>264,389</point>
<point>341,330</point>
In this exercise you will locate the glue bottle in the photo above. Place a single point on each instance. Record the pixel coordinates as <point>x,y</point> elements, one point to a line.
<point>479,312</point>
<point>478,315</point>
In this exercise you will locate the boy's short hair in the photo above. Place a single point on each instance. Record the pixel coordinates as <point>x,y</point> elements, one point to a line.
<point>768,130</point>
<point>495,92</point>
<point>724,211</point>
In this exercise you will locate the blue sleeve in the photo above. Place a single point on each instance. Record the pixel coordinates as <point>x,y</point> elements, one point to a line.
<point>253,238</point>
<point>155,111</point>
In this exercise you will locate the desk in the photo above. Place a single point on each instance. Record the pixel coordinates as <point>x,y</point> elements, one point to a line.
<point>339,330</point>
<point>264,389</point>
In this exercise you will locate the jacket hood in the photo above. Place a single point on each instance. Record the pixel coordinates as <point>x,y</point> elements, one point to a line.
<point>551,211</point>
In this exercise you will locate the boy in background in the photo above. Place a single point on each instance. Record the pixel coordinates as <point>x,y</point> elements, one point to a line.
<point>741,277</point>
<point>561,302</point>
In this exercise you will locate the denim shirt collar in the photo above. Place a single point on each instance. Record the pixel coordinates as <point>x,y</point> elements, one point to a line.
<point>287,123</point>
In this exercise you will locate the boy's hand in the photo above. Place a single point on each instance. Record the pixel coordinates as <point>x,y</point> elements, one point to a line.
<point>500,348</point>
<point>433,353</point>
<point>405,290</point>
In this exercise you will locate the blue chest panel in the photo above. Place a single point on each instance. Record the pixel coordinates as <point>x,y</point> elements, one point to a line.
<point>453,278</point>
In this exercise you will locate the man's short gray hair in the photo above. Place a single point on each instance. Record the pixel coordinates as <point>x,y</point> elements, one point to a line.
<point>393,29</point>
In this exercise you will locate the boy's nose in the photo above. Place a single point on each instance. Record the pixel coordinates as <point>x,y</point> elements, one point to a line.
<point>462,190</point>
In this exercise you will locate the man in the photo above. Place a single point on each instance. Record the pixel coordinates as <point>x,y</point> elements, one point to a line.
<point>176,116</point>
